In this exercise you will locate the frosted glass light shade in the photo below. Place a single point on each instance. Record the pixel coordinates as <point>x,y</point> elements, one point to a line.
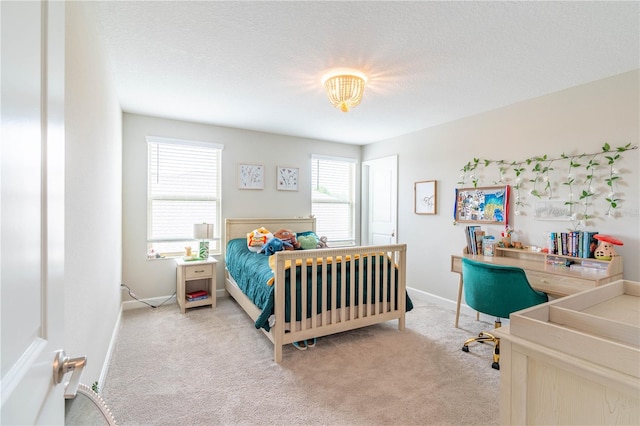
<point>203,231</point>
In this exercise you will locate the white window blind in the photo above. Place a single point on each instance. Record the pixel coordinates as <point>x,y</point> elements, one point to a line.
<point>183,189</point>
<point>333,199</point>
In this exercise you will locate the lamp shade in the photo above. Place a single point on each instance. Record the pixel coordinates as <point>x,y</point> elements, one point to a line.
<point>203,231</point>
<point>344,88</point>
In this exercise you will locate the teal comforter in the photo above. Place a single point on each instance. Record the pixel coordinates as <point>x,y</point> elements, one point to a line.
<point>251,271</point>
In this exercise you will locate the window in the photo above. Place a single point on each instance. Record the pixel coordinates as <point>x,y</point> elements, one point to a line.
<point>333,198</point>
<point>183,189</point>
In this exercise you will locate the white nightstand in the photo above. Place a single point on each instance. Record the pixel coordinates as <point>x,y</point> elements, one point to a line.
<point>192,276</point>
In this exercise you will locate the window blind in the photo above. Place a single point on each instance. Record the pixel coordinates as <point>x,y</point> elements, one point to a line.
<point>183,189</point>
<point>333,199</point>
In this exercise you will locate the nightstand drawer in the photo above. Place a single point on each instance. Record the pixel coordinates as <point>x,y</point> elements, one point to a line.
<point>198,271</point>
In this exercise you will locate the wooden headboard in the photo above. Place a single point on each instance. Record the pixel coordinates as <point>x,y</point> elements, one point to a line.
<point>240,227</point>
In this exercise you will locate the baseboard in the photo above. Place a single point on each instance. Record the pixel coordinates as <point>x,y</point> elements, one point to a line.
<point>450,305</point>
<point>107,359</point>
<point>155,301</point>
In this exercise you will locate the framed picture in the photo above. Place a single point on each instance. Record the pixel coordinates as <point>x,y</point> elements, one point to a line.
<point>426,197</point>
<point>250,176</point>
<point>485,205</point>
<point>287,178</point>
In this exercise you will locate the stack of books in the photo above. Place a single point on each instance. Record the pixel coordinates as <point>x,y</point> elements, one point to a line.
<point>474,236</point>
<point>197,295</point>
<point>576,243</point>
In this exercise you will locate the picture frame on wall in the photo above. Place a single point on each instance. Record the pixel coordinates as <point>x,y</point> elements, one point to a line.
<point>287,178</point>
<point>250,176</point>
<point>426,197</point>
<point>488,205</point>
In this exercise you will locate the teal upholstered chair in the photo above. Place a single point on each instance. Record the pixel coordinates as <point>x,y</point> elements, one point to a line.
<point>498,291</point>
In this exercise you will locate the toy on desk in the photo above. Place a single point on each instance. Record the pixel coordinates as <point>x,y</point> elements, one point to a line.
<point>606,249</point>
<point>506,236</point>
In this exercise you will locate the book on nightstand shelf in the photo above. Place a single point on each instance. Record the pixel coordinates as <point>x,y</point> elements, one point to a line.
<point>197,295</point>
<point>193,299</point>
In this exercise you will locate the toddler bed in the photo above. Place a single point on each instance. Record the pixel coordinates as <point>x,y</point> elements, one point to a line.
<point>349,287</point>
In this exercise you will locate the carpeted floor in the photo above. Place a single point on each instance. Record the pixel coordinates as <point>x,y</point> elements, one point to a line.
<point>212,367</point>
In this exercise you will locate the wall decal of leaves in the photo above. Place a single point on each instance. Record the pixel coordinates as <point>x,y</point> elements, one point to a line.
<point>537,172</point>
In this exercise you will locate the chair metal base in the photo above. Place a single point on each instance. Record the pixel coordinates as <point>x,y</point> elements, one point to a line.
<point>487,337</point>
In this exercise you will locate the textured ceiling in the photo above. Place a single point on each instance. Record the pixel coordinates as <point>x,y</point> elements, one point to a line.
<point>258,65</point>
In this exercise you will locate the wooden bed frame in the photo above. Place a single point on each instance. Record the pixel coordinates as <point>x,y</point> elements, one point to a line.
<point>329,321</point>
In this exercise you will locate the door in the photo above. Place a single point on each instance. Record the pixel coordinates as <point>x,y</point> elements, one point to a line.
<point>31,211</point>
<point>382,200</point>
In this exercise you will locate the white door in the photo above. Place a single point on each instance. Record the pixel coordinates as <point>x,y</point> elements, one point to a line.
<point>31,210</point>
<point>382,200</point>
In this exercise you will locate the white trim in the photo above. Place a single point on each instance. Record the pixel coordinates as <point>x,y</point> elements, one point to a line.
<point>102,380</point>
<point>450,305</point>
<point>137,304</point>
<point>174,141</point>
<point>334,158</point>
<point>155,301</point>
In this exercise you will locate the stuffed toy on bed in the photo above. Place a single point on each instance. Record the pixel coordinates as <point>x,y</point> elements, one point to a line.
<point>257,238</point>
<point>288,239</point>
<point>307,242</point>
<point>273,245</point>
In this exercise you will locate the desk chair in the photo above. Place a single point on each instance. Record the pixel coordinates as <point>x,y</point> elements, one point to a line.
<point>496,290</point>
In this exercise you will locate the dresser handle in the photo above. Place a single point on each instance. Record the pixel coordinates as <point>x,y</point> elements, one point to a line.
<point>198,272</point>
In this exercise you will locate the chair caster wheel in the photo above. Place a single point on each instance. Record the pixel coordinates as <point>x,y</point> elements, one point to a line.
<point>465,349</point>
<point>495,365</point>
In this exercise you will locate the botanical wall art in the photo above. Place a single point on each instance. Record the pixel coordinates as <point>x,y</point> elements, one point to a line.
<point>250,176</point>
<point>287,178</point>
<point>426,197</point>
<point>586,185</point>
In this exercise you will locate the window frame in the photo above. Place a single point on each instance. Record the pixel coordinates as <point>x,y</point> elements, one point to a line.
<point>215,249</point>
<point>352,202</point>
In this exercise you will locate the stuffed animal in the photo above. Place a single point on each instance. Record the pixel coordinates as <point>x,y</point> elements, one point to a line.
<point>273,245</point>
<point>257,238</point>
<point>288,239</point>
<point>323,242</point>
<point>307,242</point>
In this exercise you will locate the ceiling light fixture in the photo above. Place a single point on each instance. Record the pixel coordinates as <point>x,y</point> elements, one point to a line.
<point>344,88</point>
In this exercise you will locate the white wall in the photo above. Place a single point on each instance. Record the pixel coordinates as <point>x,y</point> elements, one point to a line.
<point>156,278</point>
<point>93,196</point>
<point>573,121</point>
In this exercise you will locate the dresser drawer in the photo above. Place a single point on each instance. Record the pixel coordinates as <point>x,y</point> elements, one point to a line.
<point>198,271</point>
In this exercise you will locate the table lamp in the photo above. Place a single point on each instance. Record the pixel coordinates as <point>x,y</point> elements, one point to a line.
<point>203,232</point>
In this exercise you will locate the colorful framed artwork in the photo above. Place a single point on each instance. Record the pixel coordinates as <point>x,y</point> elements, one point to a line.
<point>250,176</point>
<point>287,178</point>
<point>425,197</point>
<point>488,205</point>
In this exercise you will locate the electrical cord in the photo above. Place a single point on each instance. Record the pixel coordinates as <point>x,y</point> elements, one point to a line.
<point>133,296</point>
